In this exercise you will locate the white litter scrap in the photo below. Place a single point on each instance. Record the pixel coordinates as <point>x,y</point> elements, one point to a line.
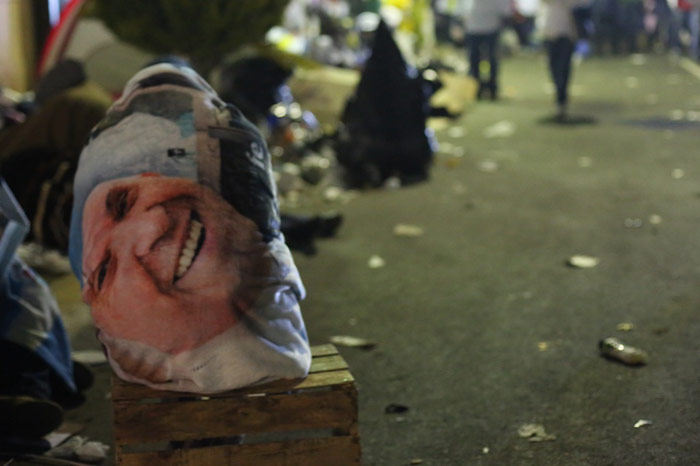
<point>585,162</point>
<point>642,423</point>
<point>535,433</point>
<point>402,229</point>
<point>677,115</point>
<point>625,326</point>
<point>677,173</point>
<point>90,357</point>
<point>583,262</point>
<point>488,166</point>
<point>692,115</point>
<point>655,219</point>
<point>333,193</point>
<point>79,448</point>
<point>455,132</point>
<point>502,129</point>
<point>376,262</point>
<point>351,342</point>
<point>633,222</point>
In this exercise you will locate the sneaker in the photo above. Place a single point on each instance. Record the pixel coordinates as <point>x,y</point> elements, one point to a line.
<point>25,416</point>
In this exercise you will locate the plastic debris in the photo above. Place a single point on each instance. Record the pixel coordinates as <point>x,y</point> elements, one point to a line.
<point>613,348</point>
<point>625,326</point>
<point>677,173</point>
<point>485,450</point>
<point>642,423</point>
<point>376,262</point>
<point>502,129</point>
<point>416,461</point>
<point>583,262</point>
<point>351,342</point>
<point>488,166</point>
<point>535,433</point>
<point>543,345</point>
<point>633,222</point>
<point>395,408</point>
<point>90,357</point>
<point>402,229</point>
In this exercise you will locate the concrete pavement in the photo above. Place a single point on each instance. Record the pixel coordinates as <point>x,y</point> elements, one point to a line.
<point>480,326</point>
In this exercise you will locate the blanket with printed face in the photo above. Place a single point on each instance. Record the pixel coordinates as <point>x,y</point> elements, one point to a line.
<point>175,238</point>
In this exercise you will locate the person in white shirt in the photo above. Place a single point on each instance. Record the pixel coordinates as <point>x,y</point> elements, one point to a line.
<point>560,35</point>
<point>484,20</point>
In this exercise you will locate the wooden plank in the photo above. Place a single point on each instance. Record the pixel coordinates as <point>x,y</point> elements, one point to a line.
<point>139,423</point>
<point>125,391</point>
<point>323,350</point>
<point>328,363</point>
<point>333,451</point>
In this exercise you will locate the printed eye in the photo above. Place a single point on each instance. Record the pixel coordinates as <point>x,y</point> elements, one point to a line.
<point>119,201</point>
<point>102,271</point>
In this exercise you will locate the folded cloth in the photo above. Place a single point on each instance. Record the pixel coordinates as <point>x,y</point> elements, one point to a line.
<point>175,238</point>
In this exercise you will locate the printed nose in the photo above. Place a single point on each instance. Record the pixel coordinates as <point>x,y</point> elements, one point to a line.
<point>141,231</point>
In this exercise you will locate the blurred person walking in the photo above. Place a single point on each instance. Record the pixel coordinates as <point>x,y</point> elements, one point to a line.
<point>560,34</point>
<point>606,17</point>
<point>632,15</point>
<point>484,20</point>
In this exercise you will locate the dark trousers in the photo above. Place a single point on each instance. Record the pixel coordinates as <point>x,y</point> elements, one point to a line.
<point>560,51</point>
<point>23,373</point>
<point>484,45</point>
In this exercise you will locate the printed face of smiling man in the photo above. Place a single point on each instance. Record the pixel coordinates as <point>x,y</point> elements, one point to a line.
<point>167,262</point>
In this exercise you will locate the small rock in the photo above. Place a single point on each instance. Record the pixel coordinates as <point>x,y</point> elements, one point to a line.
<point>395,408</point>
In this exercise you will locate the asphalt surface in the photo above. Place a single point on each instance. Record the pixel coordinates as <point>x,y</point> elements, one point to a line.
<point>480,326</point>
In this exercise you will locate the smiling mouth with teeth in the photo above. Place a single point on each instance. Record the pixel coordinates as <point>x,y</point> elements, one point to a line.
<point>193,244</point>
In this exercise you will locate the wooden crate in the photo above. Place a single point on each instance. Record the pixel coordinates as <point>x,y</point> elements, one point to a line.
<point>306,422</point>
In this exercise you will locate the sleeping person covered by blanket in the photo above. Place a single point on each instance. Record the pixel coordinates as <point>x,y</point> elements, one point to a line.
<point>176,239</point>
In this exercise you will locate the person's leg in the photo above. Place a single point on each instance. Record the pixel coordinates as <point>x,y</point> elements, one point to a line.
<point>492,50</point>
<point>25,393</point>
<point>560,51</point>
<point>694,29</point>
<point>475,45</point>
<point>567,47</point>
